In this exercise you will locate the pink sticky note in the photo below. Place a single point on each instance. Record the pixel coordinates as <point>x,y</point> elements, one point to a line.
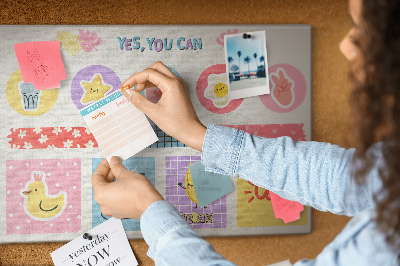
<point>286,210</point>
<point>41,63</point>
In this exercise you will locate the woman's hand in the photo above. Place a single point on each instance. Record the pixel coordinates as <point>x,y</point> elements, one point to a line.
<point>128,196</point>
<point>174,112</point>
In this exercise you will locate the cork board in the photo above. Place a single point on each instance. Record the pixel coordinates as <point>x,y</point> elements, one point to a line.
<point>330,90</point>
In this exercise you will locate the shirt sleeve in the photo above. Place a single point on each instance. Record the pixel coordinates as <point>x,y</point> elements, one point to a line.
<point>312,173</point>
<point>172,241</point>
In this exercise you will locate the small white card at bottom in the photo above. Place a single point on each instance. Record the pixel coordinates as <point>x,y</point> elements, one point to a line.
<point>109,246</point>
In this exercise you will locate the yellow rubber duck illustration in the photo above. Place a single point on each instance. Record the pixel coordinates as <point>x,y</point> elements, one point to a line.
<point>38,204</point>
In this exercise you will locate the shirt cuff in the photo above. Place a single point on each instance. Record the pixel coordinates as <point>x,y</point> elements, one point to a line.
<point>221,151</point>
<point>158,219</point>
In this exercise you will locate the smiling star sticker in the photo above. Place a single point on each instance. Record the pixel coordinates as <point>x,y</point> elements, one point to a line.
<point>95,89</point>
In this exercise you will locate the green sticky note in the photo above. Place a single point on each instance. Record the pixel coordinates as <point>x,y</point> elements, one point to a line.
<point>209,186</point>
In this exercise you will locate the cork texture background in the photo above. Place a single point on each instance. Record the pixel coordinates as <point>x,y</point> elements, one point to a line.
<point>330,22</point>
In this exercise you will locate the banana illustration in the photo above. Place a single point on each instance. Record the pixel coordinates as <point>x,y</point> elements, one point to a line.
<point>190,191</point>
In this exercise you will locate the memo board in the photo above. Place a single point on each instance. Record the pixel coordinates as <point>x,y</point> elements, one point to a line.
<point>48,140</point>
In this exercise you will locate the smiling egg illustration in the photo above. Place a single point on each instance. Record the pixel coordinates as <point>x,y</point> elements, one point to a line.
<point>220,90</point>
<point>217,90</point>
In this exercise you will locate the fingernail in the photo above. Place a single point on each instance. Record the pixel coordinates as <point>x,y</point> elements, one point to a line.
<point>115,160</point>
<point>125,88</point>
<point>128,94</point>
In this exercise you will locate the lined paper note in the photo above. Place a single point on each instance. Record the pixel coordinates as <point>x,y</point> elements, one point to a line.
<point>118,126</point>
<point>41,63</point>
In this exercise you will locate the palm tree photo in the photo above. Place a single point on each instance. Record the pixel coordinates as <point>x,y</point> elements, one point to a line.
<point>248,51</point>
<point>230,60</point>
<point>255,57</point>
<point>261,68</point>
<point>261,59</point>
<point>247,60</point>
<point>239,54</point>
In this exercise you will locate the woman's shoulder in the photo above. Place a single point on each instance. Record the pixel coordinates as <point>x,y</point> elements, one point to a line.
<point>362,240</point>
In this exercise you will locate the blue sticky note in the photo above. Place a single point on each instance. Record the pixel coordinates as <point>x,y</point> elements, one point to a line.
<point>209,186</point>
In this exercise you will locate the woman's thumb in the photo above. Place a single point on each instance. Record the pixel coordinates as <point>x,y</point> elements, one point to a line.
<point>138,100</point>
<point>117,167</point>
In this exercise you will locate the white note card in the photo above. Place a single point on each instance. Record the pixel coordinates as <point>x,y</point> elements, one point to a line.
<point>118,126</point>
<point>108,247</point>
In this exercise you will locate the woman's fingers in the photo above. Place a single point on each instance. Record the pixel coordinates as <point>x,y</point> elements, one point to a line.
<point>153,76</point>
<point>174,113</point>
<point>143,86</point>
<point>110,177</point>
<point>160,67</point>
<point>100,174</point>
<point>117,167</point>
<point>141,102</point>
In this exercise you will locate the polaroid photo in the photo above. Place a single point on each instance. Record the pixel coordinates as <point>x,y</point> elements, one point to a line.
<point>246,64</point>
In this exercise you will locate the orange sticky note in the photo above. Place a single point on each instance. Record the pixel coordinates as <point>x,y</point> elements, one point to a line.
<point>41,63</point>
<point>284,209</point>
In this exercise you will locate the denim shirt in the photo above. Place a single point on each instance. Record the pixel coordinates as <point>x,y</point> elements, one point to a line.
<point>312,173</point>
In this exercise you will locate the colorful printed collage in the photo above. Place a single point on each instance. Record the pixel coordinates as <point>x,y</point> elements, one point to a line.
<point>49,153</point>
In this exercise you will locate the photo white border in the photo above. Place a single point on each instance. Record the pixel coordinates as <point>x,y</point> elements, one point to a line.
<point>247,92</point>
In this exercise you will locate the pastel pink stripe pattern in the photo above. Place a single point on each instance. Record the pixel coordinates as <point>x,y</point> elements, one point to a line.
<point>51,137</point>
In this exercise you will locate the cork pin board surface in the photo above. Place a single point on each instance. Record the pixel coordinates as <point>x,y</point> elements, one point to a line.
<point>330,23</point>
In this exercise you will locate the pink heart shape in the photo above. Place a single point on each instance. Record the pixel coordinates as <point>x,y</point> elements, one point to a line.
<point>157,93</point>
<point>153,94</point>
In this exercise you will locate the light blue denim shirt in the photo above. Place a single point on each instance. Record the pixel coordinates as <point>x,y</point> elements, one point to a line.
<point>312,173</point>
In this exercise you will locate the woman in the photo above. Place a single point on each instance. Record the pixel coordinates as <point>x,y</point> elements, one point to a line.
<point>360,182</point>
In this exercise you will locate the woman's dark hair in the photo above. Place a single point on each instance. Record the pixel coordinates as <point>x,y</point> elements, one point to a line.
<point>375,103</point>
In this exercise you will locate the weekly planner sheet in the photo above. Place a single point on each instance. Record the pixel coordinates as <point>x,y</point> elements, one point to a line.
<point>55,132</point>
<point>118,126</point>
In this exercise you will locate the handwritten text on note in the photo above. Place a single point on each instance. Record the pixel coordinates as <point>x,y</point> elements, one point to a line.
<point>41,63</point>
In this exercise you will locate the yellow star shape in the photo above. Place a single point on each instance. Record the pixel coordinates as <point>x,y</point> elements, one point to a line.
<point>95,89</point>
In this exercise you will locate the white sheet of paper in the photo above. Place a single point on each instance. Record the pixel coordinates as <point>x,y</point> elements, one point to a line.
<point>109,246</point>
<point>118,126</point>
